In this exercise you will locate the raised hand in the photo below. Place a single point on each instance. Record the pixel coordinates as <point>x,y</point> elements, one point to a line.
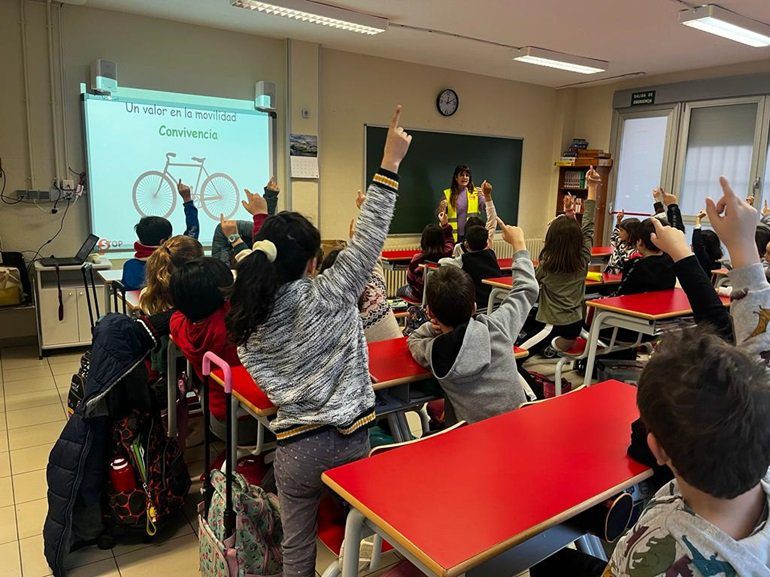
<point>360,198</point>
<point>765,209</point>
<point>670,240</point>
<point>254,203</point>
<point>184,191</point>
<point>486,189</point>
<point>593,177</point>
<point>442,205</point>
<point>699,217</point>
<point>396,143</point>
<point>568,203</point>
<point>657,194</point>
<point>750,200</point>
<point>229,227</point>
<point>735,221</point>
<point>272,185</point>
<point>619,216</point>
<point>513,235</point>
<point>443,219</point>
<point>668,199</point>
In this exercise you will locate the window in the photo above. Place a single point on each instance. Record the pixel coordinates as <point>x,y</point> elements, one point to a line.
<point>640,162</point>
<point>720,142</point>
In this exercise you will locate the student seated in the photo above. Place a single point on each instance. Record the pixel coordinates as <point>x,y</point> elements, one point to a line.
<point>222,245</point>
<point>491,224</point>
<point>653,271</point>
<point>152,231</point>
<point>472,356</point>
<point>200,290</point>
<point>436,243</point>
<point>706,405</point>
<point>623,243</point>
<point>478,259</point>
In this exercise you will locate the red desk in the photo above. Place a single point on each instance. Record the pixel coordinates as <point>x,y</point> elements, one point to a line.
<point>398,257</point>
<point>640,312</point>
<point>391,364</point>
<point>510,491</point>
<point>601,251</point>
<point>501,285</point>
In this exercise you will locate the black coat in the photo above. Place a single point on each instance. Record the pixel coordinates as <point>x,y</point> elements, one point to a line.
<point>76,468</point>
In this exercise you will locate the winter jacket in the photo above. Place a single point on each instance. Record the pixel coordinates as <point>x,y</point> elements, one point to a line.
<point>117,381</point>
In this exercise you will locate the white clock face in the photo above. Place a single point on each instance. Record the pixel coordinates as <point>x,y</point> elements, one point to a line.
<point>447,102</point>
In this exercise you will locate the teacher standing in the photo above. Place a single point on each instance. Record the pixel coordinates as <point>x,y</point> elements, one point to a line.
<point>461,200</point>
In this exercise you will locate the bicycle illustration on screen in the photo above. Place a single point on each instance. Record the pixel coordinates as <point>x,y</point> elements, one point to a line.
<point>155,191</point>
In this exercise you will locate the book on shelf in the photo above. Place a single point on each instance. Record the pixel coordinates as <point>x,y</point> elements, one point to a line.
<point>565,161</point>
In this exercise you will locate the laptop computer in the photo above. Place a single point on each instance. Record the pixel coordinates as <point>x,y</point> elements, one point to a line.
<point>76,260</point>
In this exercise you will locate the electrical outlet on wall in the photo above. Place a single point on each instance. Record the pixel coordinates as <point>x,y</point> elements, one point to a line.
<point>68,184</point>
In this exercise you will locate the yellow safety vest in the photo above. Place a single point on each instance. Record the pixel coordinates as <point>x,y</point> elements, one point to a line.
<point>473,208</point>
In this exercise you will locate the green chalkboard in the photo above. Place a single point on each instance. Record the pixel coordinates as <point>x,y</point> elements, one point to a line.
<point>427,171</point>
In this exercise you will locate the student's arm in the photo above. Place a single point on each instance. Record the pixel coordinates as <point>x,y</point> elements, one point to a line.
<point>631,281</point>
<point>697,244</point>
<point>420,342</point>
<point>706,305</point>
<point>593,180</point>
<point>617,256</point>
<point>345,281</point>
<point>192,226</point>
<point>271,195</point>
<point>449,239</point>
<point>457,250</point>
<point>486,189</point>
<point>673,214</point>
<point>515,307</point>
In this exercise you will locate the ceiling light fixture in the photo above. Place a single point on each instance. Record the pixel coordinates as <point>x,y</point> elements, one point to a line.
<point>315,13</point>
<point>551,59</point>
<point>716,20</point>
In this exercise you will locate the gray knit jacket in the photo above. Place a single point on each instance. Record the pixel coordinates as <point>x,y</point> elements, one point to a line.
<point>310,355</point>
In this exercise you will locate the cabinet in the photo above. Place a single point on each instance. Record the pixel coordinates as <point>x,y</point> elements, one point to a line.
<point>64,322</point>
<point>572,181</point>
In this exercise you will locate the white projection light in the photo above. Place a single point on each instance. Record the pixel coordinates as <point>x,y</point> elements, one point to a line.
<point>551,59</point>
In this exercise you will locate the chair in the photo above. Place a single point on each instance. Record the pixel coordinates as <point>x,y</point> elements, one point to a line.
<point>331,526</point>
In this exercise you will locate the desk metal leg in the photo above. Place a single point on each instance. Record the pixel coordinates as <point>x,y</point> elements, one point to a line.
<point>107,297</point>
<point>395,428</point>
<point>353,533</point>
<point>592,545</point>
<point>593,345</point>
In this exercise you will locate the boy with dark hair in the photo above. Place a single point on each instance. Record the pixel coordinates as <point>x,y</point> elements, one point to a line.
<point>152,232</point>
<point>706,405</point>
<point>477,257</point>
<point>472,356</point>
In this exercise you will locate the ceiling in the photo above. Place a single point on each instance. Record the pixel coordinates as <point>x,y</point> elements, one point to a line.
<point>635,36</point>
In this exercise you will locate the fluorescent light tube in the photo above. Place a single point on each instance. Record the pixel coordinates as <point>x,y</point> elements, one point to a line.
<point>315,13</point>
<point>551,59</point>
<point>715,20</point>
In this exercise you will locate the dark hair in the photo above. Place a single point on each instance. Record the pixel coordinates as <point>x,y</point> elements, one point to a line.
<point>200,286</point>
<point>644,230</point>
<point>432,242</point>
<point>474,221</point>
<point>455,188</point>
<point>708,404</point>
<point>712,244</point>
<point>762,237</point>
<point>451,295</point>
<point>153,230</point>
<point>253,297</point>
<point>563,247</point>
<point>477,237</point>
<point>631,226</point>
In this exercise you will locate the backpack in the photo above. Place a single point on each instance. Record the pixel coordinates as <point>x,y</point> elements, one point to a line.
<point>258,530</point>
<point>161,475</point>
<point>78,383</point>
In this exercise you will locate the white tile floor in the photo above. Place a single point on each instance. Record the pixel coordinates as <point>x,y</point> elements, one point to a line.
<point>33,397</point>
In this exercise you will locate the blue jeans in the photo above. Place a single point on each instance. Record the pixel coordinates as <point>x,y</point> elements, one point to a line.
<point>298,467</point>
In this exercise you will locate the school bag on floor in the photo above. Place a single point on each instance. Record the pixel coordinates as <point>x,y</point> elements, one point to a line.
<point>239,525</point>
<point>160,474</point>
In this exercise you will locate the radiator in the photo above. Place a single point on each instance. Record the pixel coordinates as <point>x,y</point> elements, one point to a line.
<point>395,278</point>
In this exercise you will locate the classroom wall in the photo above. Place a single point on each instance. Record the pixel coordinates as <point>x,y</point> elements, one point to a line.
<point>358,90</point>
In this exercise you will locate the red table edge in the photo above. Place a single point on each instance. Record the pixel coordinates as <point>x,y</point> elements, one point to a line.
<point>596,303</point>
<point>256,410</point>
<point>394,536</point>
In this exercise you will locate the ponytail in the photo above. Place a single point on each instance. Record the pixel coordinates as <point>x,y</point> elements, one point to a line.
<point>252,301</point>
<point>156,297</point>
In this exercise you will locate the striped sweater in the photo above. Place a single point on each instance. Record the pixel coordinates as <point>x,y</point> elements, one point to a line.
<point>310,356</point>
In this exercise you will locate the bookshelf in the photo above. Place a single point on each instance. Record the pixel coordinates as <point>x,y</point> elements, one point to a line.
<point>572,180</point>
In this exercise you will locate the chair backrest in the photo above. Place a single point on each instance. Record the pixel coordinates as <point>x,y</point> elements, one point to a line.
<point>528,403</point>
<point>385,448</point>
